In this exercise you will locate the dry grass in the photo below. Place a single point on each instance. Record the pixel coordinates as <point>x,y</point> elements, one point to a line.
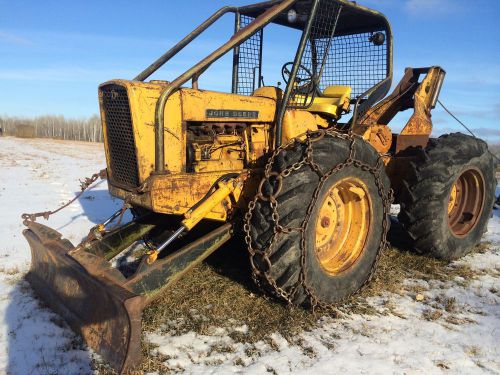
<point>432,314</point>
<point>11,271</point>
<point>220,293</point>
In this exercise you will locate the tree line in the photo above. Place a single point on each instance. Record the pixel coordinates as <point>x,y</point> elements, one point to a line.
<point>57,127</point>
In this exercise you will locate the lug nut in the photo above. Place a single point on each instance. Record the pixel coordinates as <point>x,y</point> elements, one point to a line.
<point>325,222</point>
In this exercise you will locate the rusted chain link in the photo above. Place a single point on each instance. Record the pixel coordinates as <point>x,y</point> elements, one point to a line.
<point>85,184</point>
<point>264,254</point>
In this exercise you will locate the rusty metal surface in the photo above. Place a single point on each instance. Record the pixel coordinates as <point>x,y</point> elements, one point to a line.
<point>394,167</point>
<point>424,100</point>
<point>175,194</point>
<point>380,137</point>
<point>410,93</point>
<point>405,141</point>
<point>117,240</point>
<point>151,280</point>
<point>97,300</point>
<point>387,109</point>
<point>106,315</point>
<point>466,205</point>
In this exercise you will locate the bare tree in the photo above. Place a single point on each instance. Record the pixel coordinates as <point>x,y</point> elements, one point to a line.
<point>58,127</point>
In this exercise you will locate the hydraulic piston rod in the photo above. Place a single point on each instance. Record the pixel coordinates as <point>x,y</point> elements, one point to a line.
<point>197,213</point>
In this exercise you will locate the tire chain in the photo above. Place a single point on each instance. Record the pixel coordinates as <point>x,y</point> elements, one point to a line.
<point>307,160</point>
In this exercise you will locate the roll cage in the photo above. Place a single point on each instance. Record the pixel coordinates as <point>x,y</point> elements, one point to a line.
<point>342,43</point>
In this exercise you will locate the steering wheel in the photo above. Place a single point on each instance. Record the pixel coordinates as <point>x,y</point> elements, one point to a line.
<point>305,84</point>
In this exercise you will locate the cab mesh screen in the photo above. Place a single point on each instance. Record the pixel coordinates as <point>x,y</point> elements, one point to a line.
<point>315,54</point>
<point>353,60</point>
<point>248,57</point>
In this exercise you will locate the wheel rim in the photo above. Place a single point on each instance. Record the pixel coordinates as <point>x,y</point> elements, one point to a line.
<point>465,203</point>
<point>342,225</point>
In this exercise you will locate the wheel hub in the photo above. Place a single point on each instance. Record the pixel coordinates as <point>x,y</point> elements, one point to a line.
<point>466,201</point>
<point>342,225</point>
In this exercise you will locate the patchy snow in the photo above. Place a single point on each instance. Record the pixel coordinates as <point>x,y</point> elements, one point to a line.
<point>463,340</point>
<point>451,328</point>
<point>38,175</point>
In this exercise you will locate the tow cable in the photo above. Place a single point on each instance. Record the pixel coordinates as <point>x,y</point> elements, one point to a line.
<point>85,185</point>
<point>496,206</point>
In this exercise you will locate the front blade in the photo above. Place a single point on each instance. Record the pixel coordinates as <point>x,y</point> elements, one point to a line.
<point>93,303</point>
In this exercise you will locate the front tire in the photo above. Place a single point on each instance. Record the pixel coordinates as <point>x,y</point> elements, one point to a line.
<point>320,241</point>
<point>448,195</point>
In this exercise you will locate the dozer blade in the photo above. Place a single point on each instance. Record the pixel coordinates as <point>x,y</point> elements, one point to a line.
<point>87,293</point>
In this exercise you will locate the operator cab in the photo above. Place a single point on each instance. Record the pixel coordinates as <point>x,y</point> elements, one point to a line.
<point>343,59</point>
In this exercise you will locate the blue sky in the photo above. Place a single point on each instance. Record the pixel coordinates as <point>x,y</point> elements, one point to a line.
<point>54,54</point>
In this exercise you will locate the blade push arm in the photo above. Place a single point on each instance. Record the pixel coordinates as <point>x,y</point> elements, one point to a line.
<point>199,212</point>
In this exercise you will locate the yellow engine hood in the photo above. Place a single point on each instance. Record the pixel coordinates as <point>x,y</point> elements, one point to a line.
<point>183,107</point>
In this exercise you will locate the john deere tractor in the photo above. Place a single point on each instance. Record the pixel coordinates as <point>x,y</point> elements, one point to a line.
<point>306,174</point>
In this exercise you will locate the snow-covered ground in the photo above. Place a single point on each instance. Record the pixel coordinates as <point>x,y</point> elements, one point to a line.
<point>449,327</point>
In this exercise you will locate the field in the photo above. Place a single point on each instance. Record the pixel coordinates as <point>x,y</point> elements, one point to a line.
<point>419,316</point>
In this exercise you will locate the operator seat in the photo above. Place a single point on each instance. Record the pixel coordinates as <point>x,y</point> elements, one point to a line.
<point>333,101</point>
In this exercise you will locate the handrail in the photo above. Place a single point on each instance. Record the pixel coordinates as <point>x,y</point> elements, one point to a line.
<point>184,42</point>
<point>236,40</point>
<point>298,58</point>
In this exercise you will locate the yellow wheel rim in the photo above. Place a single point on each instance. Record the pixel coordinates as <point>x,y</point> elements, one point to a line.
<point>342,225</point>
<point>452,203</point>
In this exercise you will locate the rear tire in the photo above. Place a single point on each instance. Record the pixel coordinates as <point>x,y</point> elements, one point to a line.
<point>448,195</point>
<point>326,282</point>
